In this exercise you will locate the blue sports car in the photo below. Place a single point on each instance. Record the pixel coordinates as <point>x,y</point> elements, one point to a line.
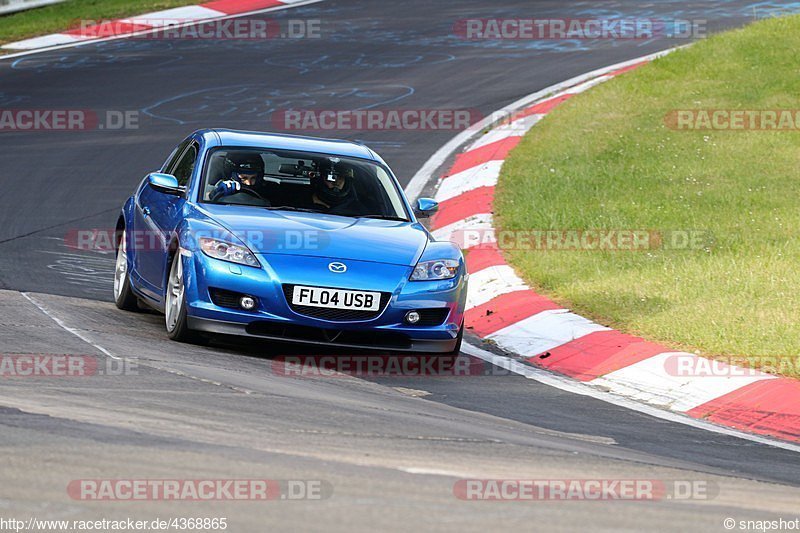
<point>288,238</point>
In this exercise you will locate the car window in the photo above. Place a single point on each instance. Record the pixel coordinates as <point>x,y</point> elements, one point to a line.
<point>185,166</point>
<point>387,183</point>
<point>301,181</point>
<point>172,160</point>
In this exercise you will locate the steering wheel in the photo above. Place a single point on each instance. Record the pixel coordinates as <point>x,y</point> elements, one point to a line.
<point>252,194</point>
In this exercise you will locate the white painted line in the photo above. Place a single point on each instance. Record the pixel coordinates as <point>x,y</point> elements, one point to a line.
<point>90,342</point>
<point>424,174</point>
<point>65,327</point>
<point>481,221</point>
<point>587,85</point>
<point>483,175</point>
<point>53,39</point>
<point>491,282</point>
<point>15,6</point>
<point>175,16</point>
<point>651,382</point>
<point>544,331</point>
<point>423,471</point>
<point>517,128</point>
<point>84,42</point>
<point>575,387</point>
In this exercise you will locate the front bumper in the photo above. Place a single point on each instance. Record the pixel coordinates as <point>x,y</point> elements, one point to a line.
<point>243,330</point>
<point>273,317</point>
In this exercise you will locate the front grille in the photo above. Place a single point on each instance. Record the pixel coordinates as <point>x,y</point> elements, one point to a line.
<point>432,317</point>
<point>367,339</point>
<point>334,315</point>
<point>225,298</point>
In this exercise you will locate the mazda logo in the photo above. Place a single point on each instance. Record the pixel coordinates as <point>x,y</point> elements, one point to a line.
<point>337,268</point>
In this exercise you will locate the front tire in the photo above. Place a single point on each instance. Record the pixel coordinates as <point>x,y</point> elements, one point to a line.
<point>123,294</point>
<point>460,338</point>
<point>175,314</point>
<point>448,359</point>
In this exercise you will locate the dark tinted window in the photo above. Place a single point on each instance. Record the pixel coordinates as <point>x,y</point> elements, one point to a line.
<point>185,166</point>
<point>301,181</point>
<point>172,160</point>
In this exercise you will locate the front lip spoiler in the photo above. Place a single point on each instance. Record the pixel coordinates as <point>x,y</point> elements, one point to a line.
<point>222,327</point>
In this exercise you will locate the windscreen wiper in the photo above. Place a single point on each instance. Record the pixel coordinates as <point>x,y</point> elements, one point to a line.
<point>385,217</point>
<point>291,208</point>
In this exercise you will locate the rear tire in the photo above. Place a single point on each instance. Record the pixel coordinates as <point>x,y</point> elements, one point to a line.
<point>123,294</point>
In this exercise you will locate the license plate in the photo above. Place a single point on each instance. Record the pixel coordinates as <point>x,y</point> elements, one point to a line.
<point>336,298</point>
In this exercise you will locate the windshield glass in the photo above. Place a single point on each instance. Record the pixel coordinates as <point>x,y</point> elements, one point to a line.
<point>301,181</point>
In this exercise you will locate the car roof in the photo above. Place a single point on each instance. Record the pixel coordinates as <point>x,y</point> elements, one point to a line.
<point>282,141</point>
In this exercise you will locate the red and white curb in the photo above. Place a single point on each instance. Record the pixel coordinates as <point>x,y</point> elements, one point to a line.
<point>148,22</point>
<point>502,309</point>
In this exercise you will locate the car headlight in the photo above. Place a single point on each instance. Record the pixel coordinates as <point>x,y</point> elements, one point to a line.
<point>227,251</point>
<point>435,270</point>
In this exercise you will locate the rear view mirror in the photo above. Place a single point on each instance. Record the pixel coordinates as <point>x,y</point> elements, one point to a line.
<point>165,183</point>
<point>426,207</point>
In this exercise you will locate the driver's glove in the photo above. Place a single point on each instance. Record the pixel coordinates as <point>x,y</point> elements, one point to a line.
<point>226,188</point>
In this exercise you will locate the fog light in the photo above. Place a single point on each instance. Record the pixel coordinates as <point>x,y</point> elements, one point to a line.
<point>247,302</point>
<point>412,317</point>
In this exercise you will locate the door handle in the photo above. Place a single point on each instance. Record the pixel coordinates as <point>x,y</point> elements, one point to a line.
<point>146,211</point>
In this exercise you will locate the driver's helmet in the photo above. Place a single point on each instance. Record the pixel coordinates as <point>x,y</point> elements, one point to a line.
<point>334,184</point>
<point>245,167</point>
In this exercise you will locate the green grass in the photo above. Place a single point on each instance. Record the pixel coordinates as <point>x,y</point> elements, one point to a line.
<point>58,17</point>
<point>606,160</point>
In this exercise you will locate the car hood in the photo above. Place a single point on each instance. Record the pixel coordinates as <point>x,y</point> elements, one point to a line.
<point>321,235</point>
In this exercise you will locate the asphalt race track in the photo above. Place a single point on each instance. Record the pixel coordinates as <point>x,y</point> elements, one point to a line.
<point>390,448</point>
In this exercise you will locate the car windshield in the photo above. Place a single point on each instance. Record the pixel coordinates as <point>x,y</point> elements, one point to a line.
<point>301,181</point>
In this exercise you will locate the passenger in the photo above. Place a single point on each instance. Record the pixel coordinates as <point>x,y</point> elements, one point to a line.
<point>334,191</point>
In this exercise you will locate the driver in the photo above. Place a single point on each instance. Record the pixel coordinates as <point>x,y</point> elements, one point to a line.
<point>245,171</point>
<point>334,190</point>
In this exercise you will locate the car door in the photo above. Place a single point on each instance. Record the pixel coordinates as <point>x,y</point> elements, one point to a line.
<point>158,214</point>
<point>142,250</point>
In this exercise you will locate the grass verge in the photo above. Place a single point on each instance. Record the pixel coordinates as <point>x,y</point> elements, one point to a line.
<point>607,160</point>
<point>67,15</point>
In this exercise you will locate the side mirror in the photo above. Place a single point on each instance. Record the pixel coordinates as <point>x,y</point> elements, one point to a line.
<point>166,183</point>
<point>426,207</point>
